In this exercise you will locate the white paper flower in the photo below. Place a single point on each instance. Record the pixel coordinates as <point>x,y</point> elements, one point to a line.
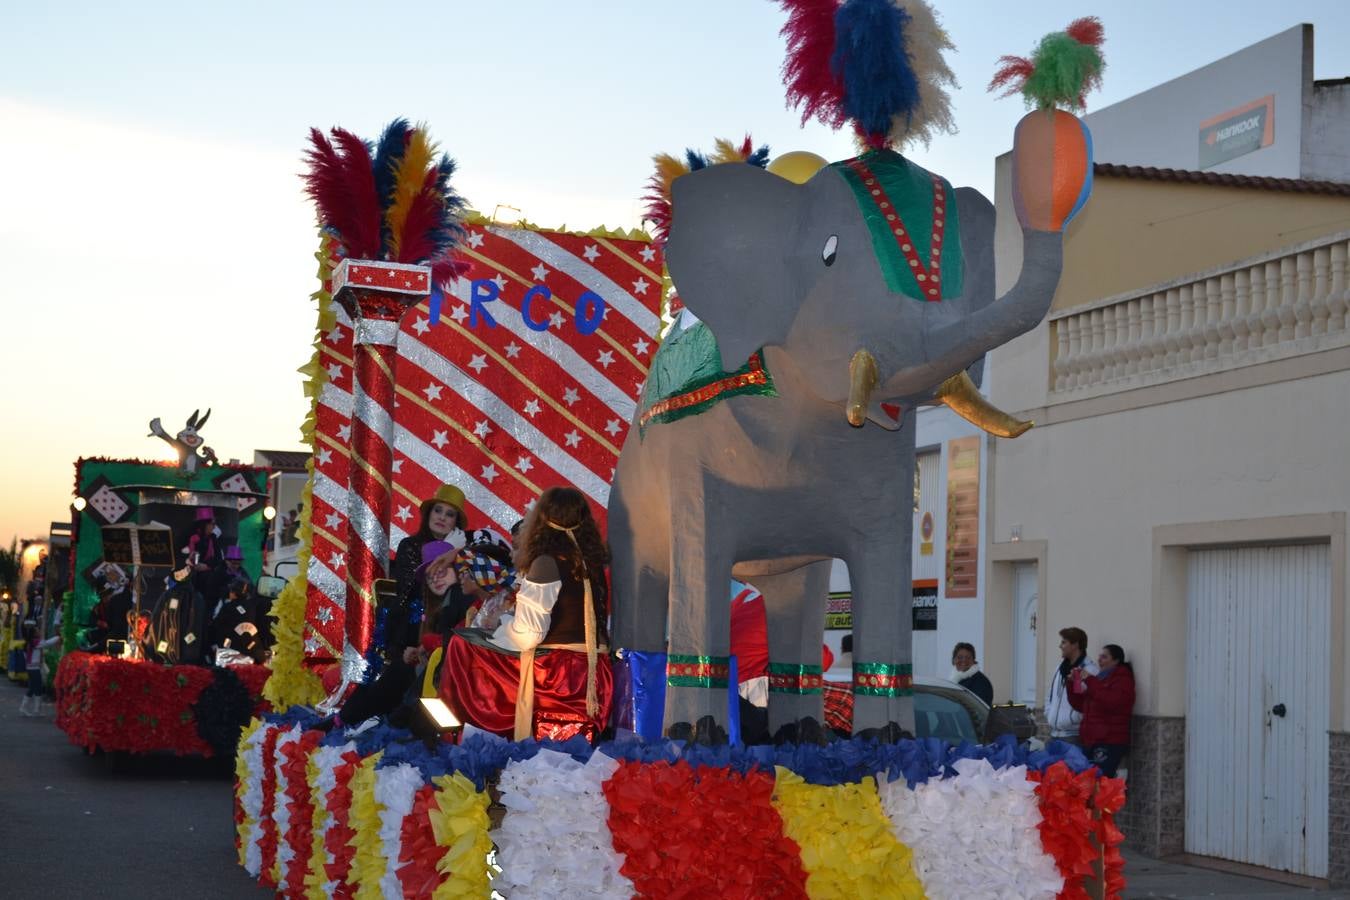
<point>974,836</point>
<point>281,812</point>
<point>395,789</point>
<point>251,798</point>
<point>555,841</point>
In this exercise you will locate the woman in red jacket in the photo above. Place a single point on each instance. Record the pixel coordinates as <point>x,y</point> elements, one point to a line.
<point>1106,701</point>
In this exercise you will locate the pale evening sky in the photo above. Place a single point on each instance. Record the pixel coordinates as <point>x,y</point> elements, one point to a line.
<point>155,247</point>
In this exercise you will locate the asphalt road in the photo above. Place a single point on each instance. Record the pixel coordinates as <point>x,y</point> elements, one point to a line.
<point>110,826</point>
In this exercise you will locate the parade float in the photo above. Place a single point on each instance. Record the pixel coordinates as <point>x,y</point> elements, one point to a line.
<point>133,674</point>
<point>767,428</point>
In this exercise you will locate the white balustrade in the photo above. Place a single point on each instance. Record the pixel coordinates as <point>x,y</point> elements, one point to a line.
<point>1271,307</point>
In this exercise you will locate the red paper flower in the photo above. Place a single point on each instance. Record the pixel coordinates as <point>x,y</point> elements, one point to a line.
<point>300,810</point>
<point>267,844</point>
<point>1067,824</point>
<point>706,832</point>
<point>417,871</point>
<point>340,833</point>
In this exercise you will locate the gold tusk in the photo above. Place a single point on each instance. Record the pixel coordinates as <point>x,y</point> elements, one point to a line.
<point>960,395</point>
<point>862,380</point>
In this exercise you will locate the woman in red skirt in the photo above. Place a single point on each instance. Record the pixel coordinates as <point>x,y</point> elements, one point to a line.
<point>544,671</point>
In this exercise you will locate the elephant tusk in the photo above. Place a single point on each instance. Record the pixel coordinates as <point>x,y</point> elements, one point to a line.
<point>862,380</point>
<point>960,395</point>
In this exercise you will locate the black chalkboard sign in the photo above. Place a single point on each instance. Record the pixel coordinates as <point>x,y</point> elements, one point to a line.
<point>156,545</point>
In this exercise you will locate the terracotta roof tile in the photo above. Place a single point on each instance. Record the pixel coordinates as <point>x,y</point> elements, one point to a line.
<point>1291,185</point>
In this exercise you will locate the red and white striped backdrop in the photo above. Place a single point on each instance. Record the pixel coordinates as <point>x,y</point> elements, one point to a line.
<point>501,412</point>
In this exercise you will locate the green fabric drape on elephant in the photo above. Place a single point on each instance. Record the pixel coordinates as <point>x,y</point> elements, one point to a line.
<point>686,377</point>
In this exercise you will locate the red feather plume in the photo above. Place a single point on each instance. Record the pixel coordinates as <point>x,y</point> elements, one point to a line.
<point>341,183</point>
<point>1012,73</point>
<point>1087,30</point>
<point>811,83</point>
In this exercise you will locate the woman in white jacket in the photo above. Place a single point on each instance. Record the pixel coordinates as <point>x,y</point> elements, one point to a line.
<point>1061,716</point>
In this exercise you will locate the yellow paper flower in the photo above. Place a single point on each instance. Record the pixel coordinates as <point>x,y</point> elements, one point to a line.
<point>459,822</point>
<point>368,864</point>
<point>847,846</point>
<point>316,877</point>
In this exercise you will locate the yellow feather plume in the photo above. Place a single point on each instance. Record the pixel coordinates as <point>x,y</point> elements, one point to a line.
<point>410,175</point>
<point>724,151</point>
<point>668,168</point>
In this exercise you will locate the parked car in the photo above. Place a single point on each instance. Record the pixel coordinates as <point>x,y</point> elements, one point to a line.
<point>942,709</point>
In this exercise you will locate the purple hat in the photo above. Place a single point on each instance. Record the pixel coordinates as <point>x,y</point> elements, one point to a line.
<point>431,551</point>
<point>234,553</point>
<point>205,514</point>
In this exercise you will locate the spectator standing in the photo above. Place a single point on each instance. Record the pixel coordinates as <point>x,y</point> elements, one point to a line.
<point>966,672</point>
<point>1059,712</point>
<point>1106,701</point>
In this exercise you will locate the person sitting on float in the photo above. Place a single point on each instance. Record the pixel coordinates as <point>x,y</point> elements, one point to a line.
<point>471,587</point>
<point>442,523</point>
<point>203,550</point>
<point>544,671</point>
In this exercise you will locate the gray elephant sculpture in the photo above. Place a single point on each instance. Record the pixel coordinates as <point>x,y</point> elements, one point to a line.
<point>764,470</point>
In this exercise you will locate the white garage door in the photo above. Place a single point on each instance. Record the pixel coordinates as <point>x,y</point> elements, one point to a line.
<point>1257,683</point>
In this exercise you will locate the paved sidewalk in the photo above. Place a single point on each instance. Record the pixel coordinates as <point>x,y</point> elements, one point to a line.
<point>1154,878</point>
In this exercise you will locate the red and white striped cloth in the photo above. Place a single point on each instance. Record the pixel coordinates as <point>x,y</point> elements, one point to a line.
<point>501,412</point>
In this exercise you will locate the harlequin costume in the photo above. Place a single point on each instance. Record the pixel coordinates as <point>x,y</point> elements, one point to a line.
<point>544,672</point>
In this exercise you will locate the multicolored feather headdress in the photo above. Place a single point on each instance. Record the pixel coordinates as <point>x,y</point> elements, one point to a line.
<point>1065,66</point>
<point>390,202</point>
<point>669,167</point>
<point>877,64</point>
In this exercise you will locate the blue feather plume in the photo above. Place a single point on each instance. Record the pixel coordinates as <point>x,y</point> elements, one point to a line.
<point>388,151</point>
<point>696,160</point>
<point>760,157</point>
<point>871,61</point>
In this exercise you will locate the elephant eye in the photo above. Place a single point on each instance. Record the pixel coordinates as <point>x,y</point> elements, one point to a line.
<point>831,245</point>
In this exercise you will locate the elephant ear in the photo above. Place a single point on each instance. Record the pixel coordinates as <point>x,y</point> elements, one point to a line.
<point>730,233</point>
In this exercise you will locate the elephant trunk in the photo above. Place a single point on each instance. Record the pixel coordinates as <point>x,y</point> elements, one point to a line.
<point>862,380</point>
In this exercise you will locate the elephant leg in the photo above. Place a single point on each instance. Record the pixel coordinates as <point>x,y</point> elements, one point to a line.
<point>795,605</point>
<point>640,581</point>
<point>700,629</point>
<point>879,575</point>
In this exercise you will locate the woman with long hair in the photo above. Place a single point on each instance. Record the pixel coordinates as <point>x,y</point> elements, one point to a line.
<point>544,671</point>
<point>1106,701</point>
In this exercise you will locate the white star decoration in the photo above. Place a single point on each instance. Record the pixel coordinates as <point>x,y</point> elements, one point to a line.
<point>440,439</point>
<point>421,326</point>
<point>512,350</point>
<point>311,645</point>
<point>433,392</point>
<point>335,335</point>
<point>344,432</point>
<point>556,320</point>
<point>606,358</point>
<point>475,239</point>
<point>592,253</point>
<point>398,466</point>
<point>459,314</point>
<point>482,429</point>
<point>500,282</point>
<point>478,363</point>
<point>572,438</point>
<point>332,520</point>
<point>531,408</point>
<point>523,464</point>
<point>335,561</point>
<point>648,254</point>
<point>404,513</point>
<point>324,616</point>
<point>640,286</point>
<point>640,347</point>
<point>334,371</point>
<point>488,473</point>
<point>613,427</point>
<point>570,396</point>
<point>539,273</point>
<point>324,456</point>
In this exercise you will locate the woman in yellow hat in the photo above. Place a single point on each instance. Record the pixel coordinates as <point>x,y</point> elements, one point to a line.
<point>441,530</point>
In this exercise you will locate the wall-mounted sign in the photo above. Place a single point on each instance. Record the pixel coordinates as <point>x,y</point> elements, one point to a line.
<point>839,611</point>
<point>926,534</point>
<point>1237,132</point>
<point>925,604</point>
<point>963,517</point>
